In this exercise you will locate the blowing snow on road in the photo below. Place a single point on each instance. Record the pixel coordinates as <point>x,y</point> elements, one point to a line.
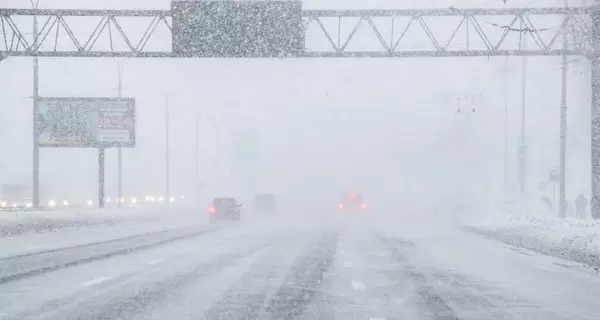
<point>342,268</point>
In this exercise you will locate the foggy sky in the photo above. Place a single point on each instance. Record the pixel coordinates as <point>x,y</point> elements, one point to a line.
<point>386,127</point>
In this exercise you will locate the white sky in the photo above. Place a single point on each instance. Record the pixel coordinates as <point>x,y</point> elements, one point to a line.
<point>386,126</point>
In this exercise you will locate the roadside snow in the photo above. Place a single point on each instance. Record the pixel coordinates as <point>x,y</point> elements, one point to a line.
<point>577,240</point>
<point>38,237</point>
<point>18,223</point>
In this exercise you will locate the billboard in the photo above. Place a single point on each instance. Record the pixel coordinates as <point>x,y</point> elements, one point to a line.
<point>86,122</point>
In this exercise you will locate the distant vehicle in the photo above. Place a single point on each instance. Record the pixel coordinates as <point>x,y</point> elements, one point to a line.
<point>15,196</point>
<point>22,203</point>
<point>265,203</point>
<point>224,209</point>
<point>352,202</point>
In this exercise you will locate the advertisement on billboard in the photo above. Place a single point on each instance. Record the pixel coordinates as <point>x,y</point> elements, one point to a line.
<point>86,122</point>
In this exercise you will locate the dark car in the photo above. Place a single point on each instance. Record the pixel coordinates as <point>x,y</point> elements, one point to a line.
<point>264,203</point>
<point>352,202</point>
<point>224,209</point>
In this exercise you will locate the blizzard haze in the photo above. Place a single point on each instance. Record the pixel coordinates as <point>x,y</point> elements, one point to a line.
<point>388,128</point>
<point>303,188</point>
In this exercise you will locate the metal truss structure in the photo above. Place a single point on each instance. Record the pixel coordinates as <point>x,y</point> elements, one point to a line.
<point>61,32</point>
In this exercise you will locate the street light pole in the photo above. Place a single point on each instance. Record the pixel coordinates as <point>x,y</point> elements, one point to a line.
<point>506,126</point>
<point>217,158</point>
<point>196,160</point>
<point>167,177</point>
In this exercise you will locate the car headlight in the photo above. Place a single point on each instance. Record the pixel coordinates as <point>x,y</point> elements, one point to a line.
<point>90,203</point>
<point>3,204</point>
<point>51,203</point>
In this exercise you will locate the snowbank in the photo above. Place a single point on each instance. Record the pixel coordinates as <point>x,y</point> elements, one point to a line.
<point>17,223</point>
<point>577,240</point>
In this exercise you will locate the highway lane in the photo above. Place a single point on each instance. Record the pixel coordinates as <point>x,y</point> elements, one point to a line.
<point>299,269</point>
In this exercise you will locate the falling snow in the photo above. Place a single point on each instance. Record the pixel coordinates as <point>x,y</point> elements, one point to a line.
<point>299,159</point>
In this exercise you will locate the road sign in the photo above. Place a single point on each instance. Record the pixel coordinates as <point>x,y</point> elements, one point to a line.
<point>86,122</point>
<point>226,28</point>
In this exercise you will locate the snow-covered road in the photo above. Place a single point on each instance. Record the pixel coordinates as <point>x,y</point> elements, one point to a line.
<point>297,269</point>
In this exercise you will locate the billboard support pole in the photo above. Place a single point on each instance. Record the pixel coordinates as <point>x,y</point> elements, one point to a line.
<point>100,178</point>
<point>120,152</point>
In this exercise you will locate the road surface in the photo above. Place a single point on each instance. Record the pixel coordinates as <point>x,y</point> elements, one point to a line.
<point>355,268</point>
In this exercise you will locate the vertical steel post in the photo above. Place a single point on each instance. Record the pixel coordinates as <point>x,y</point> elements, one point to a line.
<point>595,114</point>
<point>522,137</point>
<point>36,150</point>
<point>120,152</point>
<point>100,178</point>
<point>217,160</point>
<point>196,160</point>
<point>167,177</point>
<point>506,127</point>
<point>562,208</point>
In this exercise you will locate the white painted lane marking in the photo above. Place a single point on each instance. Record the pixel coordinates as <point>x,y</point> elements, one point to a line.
<point>357,285</point>
<point>543,268</point>
<point>95,281</point>
<point>156,261</point>
<point>348,264</point>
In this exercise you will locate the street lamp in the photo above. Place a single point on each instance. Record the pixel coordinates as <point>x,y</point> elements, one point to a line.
<point>217,157</point>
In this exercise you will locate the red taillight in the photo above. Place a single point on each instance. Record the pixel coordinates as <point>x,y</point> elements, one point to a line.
<point>212,210</point>
<point>363,205</point>
<point>341,206</point>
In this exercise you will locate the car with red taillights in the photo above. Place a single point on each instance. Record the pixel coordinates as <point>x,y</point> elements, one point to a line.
<point>224,209</point>
<point>352,202</point>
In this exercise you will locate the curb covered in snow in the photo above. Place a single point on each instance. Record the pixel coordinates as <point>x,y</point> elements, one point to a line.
<point>576,240</point>
<point>18,223</point>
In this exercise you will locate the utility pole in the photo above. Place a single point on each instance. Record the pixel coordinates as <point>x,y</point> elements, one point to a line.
<point>36,150</point>
<point>167,177</point>
<point>563,127</point>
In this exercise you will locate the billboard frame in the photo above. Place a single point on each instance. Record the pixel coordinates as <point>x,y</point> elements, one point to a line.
<point>88,144</point>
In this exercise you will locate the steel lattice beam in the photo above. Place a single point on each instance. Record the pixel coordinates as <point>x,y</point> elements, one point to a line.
<point>61,36</point>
